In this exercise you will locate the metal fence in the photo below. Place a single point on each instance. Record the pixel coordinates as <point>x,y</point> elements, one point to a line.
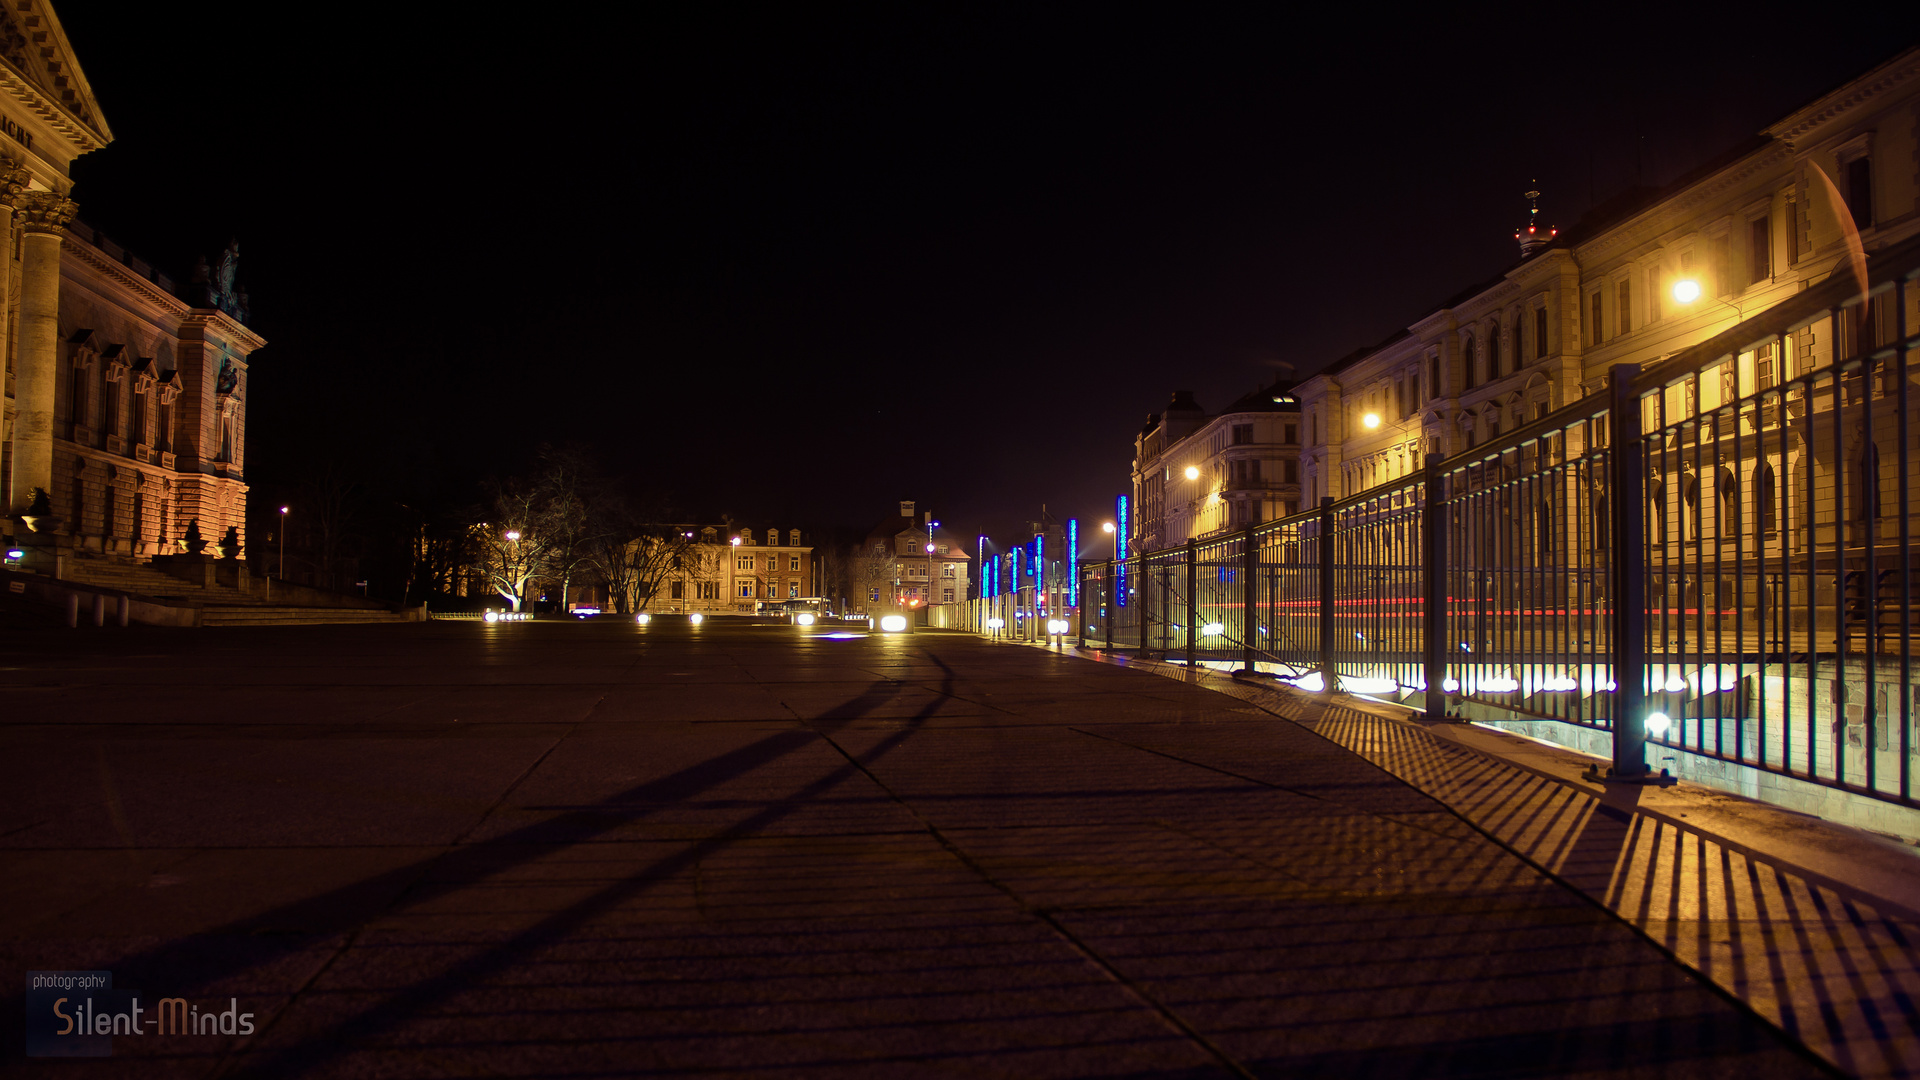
<point>1714,555</point>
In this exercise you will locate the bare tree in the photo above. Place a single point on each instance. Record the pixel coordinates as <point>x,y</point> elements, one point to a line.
<point>513,546</point>
<point>874,569</point>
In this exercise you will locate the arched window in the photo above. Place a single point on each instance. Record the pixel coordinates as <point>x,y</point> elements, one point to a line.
<point>1692,494</point>
<point>1726,498</point>
<point>1657,503</point>
<point>1494,368</point>
<point>1766,510</point>
<point>1467,361</point>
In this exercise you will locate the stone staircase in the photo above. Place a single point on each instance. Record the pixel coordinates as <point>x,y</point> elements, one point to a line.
<point>220,605</point>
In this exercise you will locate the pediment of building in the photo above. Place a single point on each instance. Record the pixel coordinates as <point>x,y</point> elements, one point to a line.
<point>41,77</point>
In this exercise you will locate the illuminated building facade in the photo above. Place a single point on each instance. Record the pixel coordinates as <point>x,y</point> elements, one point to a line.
<point>125,405</point>
<point>735,568</point>
<point>1641,278</point>
<point>897,571</point>
<point>1196,475</point>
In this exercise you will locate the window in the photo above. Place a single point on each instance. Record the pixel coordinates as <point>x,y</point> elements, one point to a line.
<point>1765,509</point>
<point>793,562</point>
<point>1720,250</point>
<point>1290,471</point>
<point>706,590</point>
<point>946,570</point>
<point>1763,366</point>
<point>1792,221</point>
<point>1539,333</point>
<point>163,436</point>
<point>946,596</point>
<point>773,537</point>
<point>1860,191</point>
<point>1433,376</point>
<point>1624,302</point>
<point>746,587</point>
<point>873,595</point>
<point>138,429</point>
<point>1656,288</point>
<point>1494,363</point>
<point>1313,428</point>
<point>793,590</point>
<point>77,398</point>
<point>1242,434</point>
<point>110,418</point>
<point>1760,246</point>
<point>1466,355</point>
<point>793,537</point>
<point>678,590</point>
<point>1594,323</point>
<point>744,562</point>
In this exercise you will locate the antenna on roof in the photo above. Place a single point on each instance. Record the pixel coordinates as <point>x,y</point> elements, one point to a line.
<point>1533,237</point>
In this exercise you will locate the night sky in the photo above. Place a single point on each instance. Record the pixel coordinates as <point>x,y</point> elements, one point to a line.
<point>795,267</point>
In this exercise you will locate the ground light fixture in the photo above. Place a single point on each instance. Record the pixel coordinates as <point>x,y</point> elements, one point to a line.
<point>696,618</point>
<point>491,616</point>
<point>995,624</point>
<point>1686,291</point>
<point>15,554</point>
<point>893,624</point>
<point>1213,629</point>
<point>1056,626</point>
<point>1657,724</point>
<point>804,619</point>
<point>643,618</point>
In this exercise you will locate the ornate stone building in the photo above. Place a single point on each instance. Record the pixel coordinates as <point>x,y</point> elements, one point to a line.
<point>125,405</point>
<point>1196,475</point>
<point>1640,279</point>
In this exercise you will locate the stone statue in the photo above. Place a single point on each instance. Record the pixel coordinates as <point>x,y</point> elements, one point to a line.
<point>228,378</point>
<point>223,271</point>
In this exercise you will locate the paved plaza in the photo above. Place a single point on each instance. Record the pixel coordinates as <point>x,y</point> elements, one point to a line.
<point>586,849</point>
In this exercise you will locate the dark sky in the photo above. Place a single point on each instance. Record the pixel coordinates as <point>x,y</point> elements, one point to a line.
<point>796,266</point>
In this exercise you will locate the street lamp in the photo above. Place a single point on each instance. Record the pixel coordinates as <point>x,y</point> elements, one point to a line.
<point>1372,420</point>
<point>283,543</point>
<point>1686,290</point>
<point>1193,472</point>
<point>931,525</point>
<point>1106,526</point>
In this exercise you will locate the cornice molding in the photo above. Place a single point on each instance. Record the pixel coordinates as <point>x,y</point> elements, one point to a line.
<point>1795,129</point>
<point>112,269</point>
<point>225,326</point>
<point>1692,198</point>
<point>81,136</point>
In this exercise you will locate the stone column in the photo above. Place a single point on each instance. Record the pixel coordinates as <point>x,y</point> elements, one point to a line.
<point>43,216</point>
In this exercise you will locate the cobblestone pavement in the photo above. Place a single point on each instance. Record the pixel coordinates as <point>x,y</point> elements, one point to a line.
<point>560,849</point>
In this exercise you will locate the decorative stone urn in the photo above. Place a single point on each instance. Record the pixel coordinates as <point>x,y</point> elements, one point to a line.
<point>192,543</point>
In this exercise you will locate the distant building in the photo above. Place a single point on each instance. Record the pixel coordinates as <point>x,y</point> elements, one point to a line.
<point>126,399</point>
<point>734,568</point>
<point>894,569</point>
<point>1196,475</point>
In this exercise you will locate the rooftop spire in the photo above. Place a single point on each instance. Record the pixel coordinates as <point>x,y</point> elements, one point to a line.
<point>1533,237</point>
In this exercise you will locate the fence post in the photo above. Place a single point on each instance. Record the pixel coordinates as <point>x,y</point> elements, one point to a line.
<point>1145,603</point>
<point>1106,609</point>
<point>1193,594</point>
<point>1625,489</point>
<point>1329,682</point>
<point>1434,577</point>
<point>1249,566</point>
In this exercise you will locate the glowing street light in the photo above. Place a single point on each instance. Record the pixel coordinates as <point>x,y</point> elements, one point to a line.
<point>514,536</point>
<point>1686,290</point>
<point>1106,527</point>
<point>283,547</point>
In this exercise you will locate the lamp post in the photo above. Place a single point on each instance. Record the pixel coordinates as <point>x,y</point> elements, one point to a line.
<point>931,525</point>
<point>513,535</point>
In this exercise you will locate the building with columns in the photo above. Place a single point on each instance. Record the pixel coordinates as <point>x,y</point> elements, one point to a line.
<point>125,402</point>
<point>1746,231</point>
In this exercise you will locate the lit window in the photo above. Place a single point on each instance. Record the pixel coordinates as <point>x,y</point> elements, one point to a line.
<point>746,587</point>
<point>793,563</point>
<point>744,562</point>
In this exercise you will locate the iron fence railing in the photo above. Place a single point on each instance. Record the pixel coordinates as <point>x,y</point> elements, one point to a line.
<point>1714,555</point>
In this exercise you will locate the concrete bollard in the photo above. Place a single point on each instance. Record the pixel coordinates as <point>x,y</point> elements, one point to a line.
<point>73,610</point>
<point>99,609</point>
<point>126,609</point>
